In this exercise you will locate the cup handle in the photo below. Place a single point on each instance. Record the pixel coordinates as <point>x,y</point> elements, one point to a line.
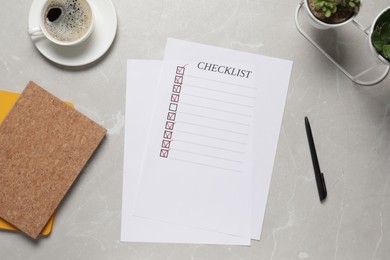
<point>35,31</point>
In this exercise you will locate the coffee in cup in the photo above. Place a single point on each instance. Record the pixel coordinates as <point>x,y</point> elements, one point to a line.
<point>65,22</point>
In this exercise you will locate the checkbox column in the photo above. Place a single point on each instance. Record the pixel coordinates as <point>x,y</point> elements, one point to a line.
<point>171,115</point>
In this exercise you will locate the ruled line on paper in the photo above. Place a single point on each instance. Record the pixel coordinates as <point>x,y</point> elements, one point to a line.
<point>214,118</point>
<point>219,91</point>
<point>219,81</point>
<point>207,155</point>
<point>212,137</point>
<point>207,165</point>
<point>215,109</point>
<point>219,100</point>
<point>210,127</point>
<point>209,146</point>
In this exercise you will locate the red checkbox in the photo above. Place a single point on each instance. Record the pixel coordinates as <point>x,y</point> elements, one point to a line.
<point>164,153</point>
<point>176,88</point>
<point>169,125</point>
<point>179,79</point>
<point>168,134</point>
<point>175,98</point>
<point>166,144</point>
<point>171,116</point>
<point>180,70</point>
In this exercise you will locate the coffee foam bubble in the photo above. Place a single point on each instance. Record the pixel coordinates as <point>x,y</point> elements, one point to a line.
<point>74,22</point>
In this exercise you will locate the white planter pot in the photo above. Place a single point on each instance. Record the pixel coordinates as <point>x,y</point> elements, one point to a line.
<point>372,48</point>
<point>317,23</point>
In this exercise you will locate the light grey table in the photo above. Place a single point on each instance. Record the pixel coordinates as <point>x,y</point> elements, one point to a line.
<point>351,125</point>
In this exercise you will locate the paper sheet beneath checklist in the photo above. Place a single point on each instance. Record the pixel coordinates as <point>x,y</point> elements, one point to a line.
<point>142,78</point>
<point>197,169</point>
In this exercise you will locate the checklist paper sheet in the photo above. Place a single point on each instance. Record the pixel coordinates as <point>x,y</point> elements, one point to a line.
<point>197,169</point>
<point>273,76</point>
<point>192,112</point>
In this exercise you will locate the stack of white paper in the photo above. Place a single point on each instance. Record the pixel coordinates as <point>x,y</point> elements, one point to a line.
<point>201,135</point>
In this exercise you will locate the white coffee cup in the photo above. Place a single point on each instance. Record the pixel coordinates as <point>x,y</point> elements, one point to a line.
<point>64,22</point>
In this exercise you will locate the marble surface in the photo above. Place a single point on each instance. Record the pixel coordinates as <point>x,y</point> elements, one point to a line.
<point>351,125</point>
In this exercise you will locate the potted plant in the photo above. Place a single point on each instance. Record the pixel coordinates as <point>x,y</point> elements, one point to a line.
<point>328,14</point>
<point>380,36</point>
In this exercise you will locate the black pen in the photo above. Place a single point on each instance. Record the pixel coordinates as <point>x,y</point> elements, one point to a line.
<point>317,172</point>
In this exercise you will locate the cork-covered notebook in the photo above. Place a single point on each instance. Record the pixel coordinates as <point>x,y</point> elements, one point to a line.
<point>7,101</point>
<point>44,145</point>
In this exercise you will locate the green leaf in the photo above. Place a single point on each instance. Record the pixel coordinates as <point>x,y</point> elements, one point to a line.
<point>334,9</point>
<point>318,6</point>
<point>385,31</point>
<point>386,51</point>
<point>378,45</point>
<point>328,13</point>
<point>352,4</point>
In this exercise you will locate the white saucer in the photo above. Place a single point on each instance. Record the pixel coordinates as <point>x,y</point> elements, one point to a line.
<point>92,49</point>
